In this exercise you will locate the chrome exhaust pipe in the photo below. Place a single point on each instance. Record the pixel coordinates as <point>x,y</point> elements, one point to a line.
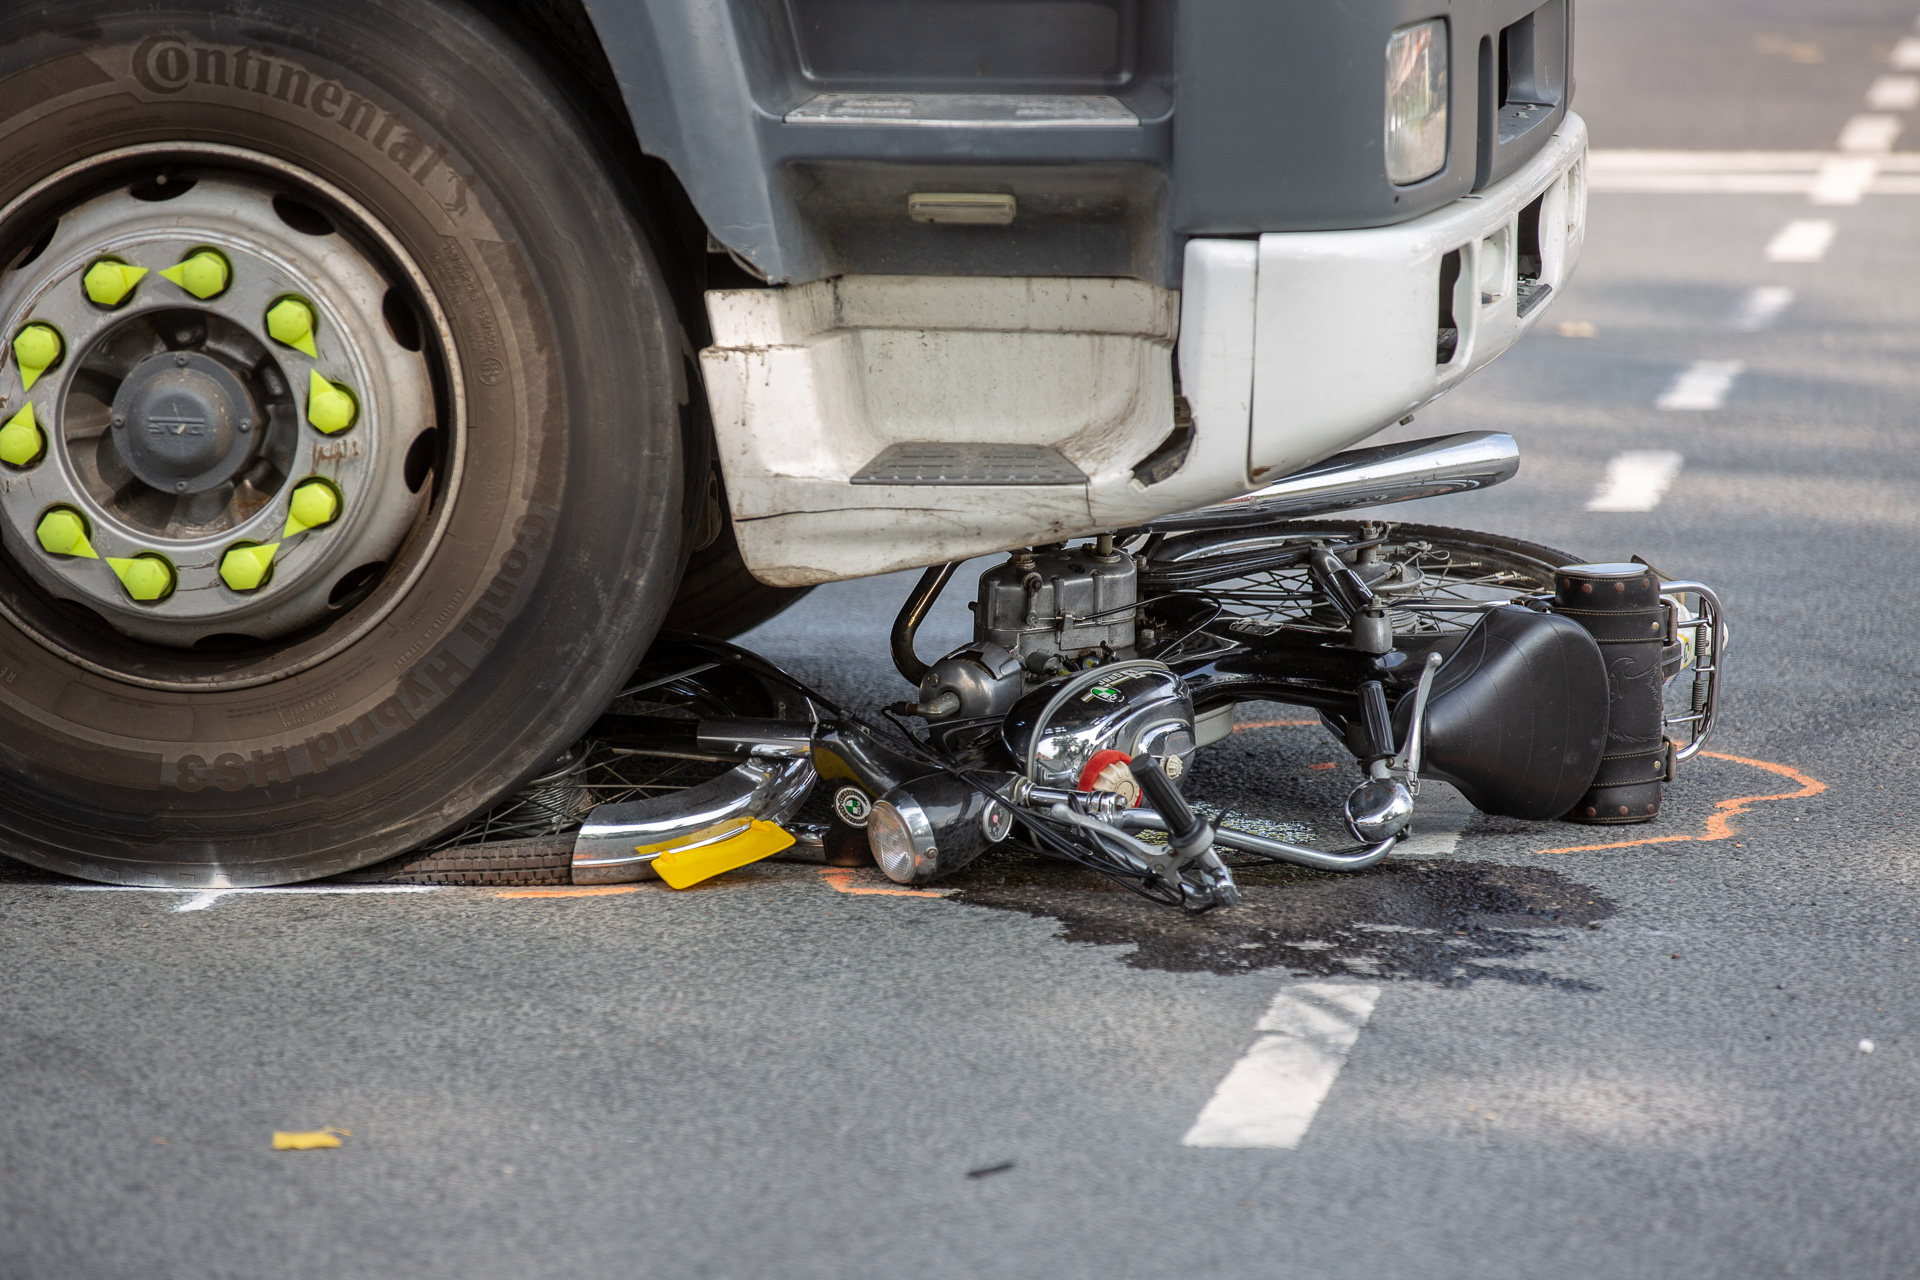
<point>1366,478</point>
<point>619,842</point>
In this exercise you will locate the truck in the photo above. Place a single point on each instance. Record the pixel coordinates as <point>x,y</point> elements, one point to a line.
<point>383,376</point>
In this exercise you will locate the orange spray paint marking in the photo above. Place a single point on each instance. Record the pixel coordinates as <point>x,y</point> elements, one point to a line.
<point>582,891</point>
<point>1720,822</point>
<point>842,879</point>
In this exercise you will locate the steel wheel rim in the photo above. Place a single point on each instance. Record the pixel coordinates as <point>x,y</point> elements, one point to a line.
<point>409,540</point>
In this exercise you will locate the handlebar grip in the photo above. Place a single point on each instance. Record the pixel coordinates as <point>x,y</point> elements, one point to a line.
<point>1376,720</point>
<point>1182,822</point>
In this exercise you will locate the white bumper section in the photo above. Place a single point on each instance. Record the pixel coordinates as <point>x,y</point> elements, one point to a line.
<point>1291,346</point>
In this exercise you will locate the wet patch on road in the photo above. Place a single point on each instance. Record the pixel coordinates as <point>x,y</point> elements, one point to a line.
<point>1444,921</point>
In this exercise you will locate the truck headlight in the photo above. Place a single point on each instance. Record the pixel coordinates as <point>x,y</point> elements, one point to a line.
<point>1417,101</point>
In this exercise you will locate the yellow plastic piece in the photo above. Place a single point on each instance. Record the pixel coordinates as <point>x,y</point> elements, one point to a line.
<point>291,321</point>
<point>309,1139</point>
<point>147,577</point>
<point>20,440</point>
<point>314,504</point>
<point>108,282</point>
<point>203,274</point>
<point>245,568</point>
<point>688,867</point>
<point>63,533</point>
<point>37,347</point>
<point>330,407</point>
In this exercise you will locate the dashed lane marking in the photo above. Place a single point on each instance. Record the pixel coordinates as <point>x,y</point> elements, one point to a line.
<point>1702,386</point>
<point>1802,240</point>
<point>1270,1096</point>
<point>1843,180</point>
<point>1720,822</point>
<point>1759,308</point>
<point>1894,93</point>
<point>1871,133</point>
<point>1636,480</point>
<point>1906,54</point>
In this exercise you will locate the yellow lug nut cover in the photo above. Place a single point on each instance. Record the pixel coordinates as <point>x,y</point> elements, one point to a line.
<point>147,576</point>
<point>108,282</point>
<point>20,440</point>
<point>63,533</point>
<point>314,504</point>
<point>291,321</point>
<point>201,274</point>
<point>329,408</point>
<point>245,568</point>
<point>36,347</point>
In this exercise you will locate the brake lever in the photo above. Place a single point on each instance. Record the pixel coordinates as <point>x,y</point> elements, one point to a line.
<point>1407,763</point>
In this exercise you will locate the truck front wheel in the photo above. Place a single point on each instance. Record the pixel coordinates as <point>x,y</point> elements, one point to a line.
<point>340,466</point>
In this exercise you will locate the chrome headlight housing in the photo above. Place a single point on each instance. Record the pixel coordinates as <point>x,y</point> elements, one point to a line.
<point>932,826</point>
<point>1417,101</point>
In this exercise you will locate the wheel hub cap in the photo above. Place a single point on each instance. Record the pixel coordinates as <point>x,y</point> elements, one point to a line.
<point>183,423</point>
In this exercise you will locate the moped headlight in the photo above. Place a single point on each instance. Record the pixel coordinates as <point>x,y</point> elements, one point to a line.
<point>1417,101</point>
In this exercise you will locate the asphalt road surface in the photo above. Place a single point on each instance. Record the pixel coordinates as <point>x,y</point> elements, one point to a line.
<point>1501,1056</point>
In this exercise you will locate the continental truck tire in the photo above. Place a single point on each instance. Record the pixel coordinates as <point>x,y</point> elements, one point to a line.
<point>352,483</point>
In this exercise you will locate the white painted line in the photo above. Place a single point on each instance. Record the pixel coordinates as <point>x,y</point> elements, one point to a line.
<point>1270,1096</point>
<point>1906,54</point>
<point>1843,180</point>
<point>1802,240</point>
<point>201,899</point>
<point>1655,172</point>
<point>1894,93</point>
<point>1636,480</point>
<point>1870,133</point>
<point>1440,816</point>
<point>1701,386</point>
<point>1759,308</point>
<point>1639,159</point>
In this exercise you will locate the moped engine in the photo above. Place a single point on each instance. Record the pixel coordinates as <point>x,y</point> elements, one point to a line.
<point>1043,613</point>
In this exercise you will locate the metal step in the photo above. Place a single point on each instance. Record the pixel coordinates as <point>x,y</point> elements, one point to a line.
<point>932,462</point>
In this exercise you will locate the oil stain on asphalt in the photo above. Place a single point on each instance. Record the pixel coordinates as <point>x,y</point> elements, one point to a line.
<point>1449,922</point>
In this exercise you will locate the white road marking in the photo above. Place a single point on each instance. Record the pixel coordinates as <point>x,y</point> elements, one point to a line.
<point>1656,172</point>
<point>201,899</point>
<point>1802,240</point>
<point>1440,816</point>
<point>1760,307</point>
<point>1843,180</point>
<point>1870,133</point>
<point>1906,54</point>
<point>1894,93</point>
<point>1636,480</point>
<point>1701,386</point>
<point>1270,1096</point>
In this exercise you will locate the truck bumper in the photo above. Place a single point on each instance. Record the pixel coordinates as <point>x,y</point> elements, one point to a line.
<point>1314,340</point>
<point>860,421</point>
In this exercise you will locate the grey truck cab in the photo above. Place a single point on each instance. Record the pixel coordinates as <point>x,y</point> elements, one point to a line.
<point>384,374</point>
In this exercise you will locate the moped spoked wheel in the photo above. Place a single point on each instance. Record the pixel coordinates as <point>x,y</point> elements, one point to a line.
<point>1431,576</point>
<point>351,487</point>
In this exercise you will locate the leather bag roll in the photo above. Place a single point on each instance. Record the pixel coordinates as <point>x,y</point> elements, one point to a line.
<point>1619,605</point>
